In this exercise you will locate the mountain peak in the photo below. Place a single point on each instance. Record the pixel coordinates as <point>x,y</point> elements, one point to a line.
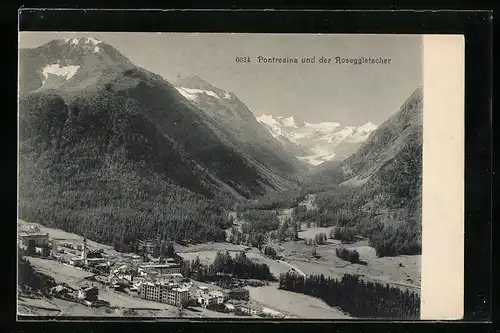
<point>71,62</point>
<point>267,119</point>
<point>368,127</point>
<point>74,50</point>
<point>82,40</point>
<point>195,82</point>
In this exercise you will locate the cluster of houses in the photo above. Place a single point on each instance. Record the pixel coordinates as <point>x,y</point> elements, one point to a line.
<point>179,293</point>
<point>88,295</point>
<point>158,280</point>
<point>164,283</point>
<point>73,254</point>
<point>33,242</point>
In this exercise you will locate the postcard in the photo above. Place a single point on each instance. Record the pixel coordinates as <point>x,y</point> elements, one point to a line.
<point>240,176</point>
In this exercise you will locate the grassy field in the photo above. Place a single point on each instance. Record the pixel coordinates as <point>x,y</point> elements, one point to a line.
<point>210,246</point>
<point>61,273</point>
<point>403,271</point>
<point>383,270</point>
<point>311,232</point>
<point>34,306</point>
<point>298,305</point>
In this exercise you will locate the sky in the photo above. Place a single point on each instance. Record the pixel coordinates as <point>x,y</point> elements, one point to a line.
<point>314,92</point>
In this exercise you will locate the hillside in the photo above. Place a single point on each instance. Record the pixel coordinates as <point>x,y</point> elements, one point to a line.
<point>104,140</point>
<point>238,124</point>
<point>380,192</point>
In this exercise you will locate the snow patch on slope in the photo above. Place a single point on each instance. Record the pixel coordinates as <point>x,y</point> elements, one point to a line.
<point>289,122</point>
<point>86,40</point>
<point>55,69</point>
<point>191,93</point>
<point>187,95</point>
<point>368,127</point>
<point>324,126</point>
<point>272,124</point>
<point>313,159</point>
<point>92,40</point>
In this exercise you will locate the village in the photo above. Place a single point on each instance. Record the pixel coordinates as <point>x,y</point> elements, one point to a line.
<point>157,279</point>
<point>94,279</point>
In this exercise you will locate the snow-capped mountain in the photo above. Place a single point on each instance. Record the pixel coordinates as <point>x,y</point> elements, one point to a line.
<point>320,142</point>
<point>68,64</point>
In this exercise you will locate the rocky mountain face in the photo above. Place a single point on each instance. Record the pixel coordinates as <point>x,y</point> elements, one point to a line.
<point>317,143</point>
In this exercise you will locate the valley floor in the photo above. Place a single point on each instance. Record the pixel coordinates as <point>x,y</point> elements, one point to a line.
<point>402,272</point>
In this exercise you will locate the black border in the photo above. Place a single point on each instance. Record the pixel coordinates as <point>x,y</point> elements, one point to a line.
<point>477,28</point>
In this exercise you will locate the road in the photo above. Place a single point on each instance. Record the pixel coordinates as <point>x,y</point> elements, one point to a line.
<point>294,268</point>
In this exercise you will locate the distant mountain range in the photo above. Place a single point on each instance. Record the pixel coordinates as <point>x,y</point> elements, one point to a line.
<point>317,143</point>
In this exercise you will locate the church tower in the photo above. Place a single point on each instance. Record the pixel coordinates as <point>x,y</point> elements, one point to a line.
<point>84,250</point>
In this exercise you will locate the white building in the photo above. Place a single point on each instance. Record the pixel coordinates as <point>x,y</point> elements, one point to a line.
<point>165,293</point>
<point>95,261</point>
<point>206,300</point>
<point>230,307</point>
<point>76,261</point>
<point>178,296</point>
<point>220,296</point>
<point>252,309</point>
<point>88,293</point>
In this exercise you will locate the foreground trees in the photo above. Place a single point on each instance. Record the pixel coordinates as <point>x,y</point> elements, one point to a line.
<point>348,255</point>
<point>225,265</point>
<point>356,297</point>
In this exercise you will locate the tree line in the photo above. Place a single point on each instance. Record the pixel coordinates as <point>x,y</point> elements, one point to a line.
<point>354,296</point>
<point>344,234</point>
<point>101,210</point>
<point>348,255</point>
<point>270,252</point>
<point>319,239</point>
<point>30,280</point>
